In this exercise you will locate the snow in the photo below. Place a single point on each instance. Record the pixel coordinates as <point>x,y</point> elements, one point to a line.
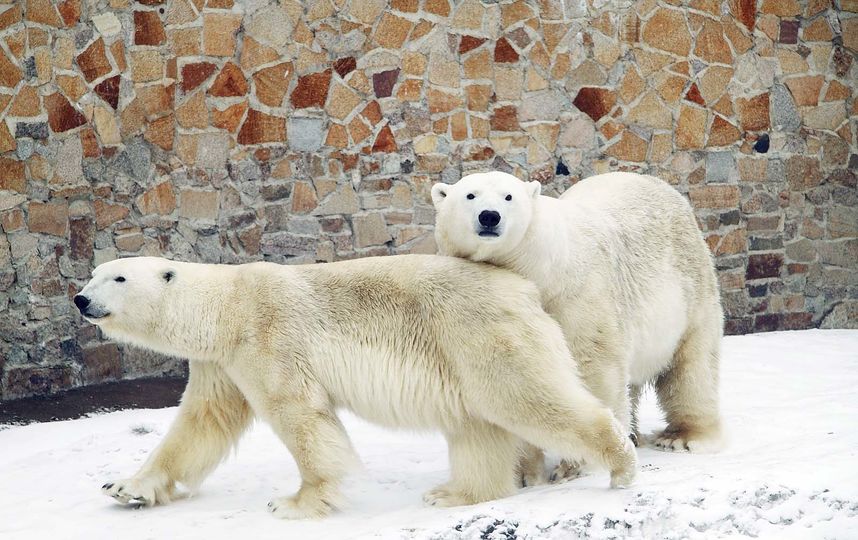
<point>790,401</point>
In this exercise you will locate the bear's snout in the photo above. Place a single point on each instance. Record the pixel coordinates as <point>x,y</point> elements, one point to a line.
<point>81,301</point>
<point>489,218</point>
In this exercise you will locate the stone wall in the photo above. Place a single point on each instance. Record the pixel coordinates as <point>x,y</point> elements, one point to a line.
<point>229,131</point>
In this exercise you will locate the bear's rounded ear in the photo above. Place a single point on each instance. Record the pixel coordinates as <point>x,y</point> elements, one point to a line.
<point>534,189</point>
<point>439,193</point>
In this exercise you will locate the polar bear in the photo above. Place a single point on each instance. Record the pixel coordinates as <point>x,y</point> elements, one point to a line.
<point>623,268</point>
<point>414,341</point>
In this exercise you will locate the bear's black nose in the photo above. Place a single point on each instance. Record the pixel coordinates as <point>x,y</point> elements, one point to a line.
<point>489,218</point>
<point>81,302</point>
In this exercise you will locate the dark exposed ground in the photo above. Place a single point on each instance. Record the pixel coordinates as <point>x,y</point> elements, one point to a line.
<point>155,393</point>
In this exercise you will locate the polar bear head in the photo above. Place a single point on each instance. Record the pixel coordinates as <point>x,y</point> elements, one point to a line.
<point>483,215</point>
<point>127,296</point>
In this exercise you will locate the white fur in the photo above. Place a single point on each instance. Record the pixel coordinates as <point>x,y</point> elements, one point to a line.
<point>421,342</point>
<point>622,266</point>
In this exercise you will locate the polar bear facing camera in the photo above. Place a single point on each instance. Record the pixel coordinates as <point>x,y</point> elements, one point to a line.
<point>422,342</point>
<point>623,268</point>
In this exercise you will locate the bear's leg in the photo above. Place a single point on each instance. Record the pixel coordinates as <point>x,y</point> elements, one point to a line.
<point>323,452</point>
<point>635,392</point>
<point>562,416</point>
<point>483,462</point>
<point>212,416</point>
<point>688,393</point>
<point>531,465</point>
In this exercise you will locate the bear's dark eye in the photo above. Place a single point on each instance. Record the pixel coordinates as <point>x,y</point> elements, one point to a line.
<point>508,198</point>
<point>119,279</point>
<point>470,196</point>
<point>168,275</point>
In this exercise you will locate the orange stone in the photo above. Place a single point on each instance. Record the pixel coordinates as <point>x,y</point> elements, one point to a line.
<point>193,112</point>
<point>272,83</point>
<point>754,112</point>
<point>391,31</point>
<point>372,112</point>
<point>714,196</point>
<point>43,12</point>
<point>255,54</point>
<point>409,90</point>
<point>118,52</point>
<point>89,143</point>
<point>93,61</point>
<point>690,128</point>
<point>836,91</point>
<point>358,130</point>
<point>7,141</point>
<point>711,45</point>
<point>161,132</point>
<point>667,30</point>
<point>781,8</point>
<point>160,199</point>
<point>26,102</point>
<point>478,97</point>
<point>440,101</point>
<point>10,16</point>
<point>230,82</point>
<point>10,75</point>
<point>722,132</point>
<point>155,99</point>
<point>630,147</point>
<point>459,126</point>
<point>632,85</point>
<point>338,136</point>
<point>312,90</point>
<point>260,128</point>
<point>818,30</point>
<point>12,175</point>
<point>70,12</point>
<point>219,31</point>
<point>304,198</point>
<point>185,41</point>
<point>48,218</point>
<point>229,118</point>
<point>437,7</point>
<point>805,90</point>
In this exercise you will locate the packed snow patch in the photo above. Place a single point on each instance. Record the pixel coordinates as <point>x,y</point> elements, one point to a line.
<point>790,401</point>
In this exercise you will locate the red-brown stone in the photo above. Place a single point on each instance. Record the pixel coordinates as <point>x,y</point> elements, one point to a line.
<point>764,266</point>
<point>108,90</point>
<point>385,141</point>
<point>81,237</point>
<point>504,53</point>
<point>61,115</point>
<point>505,119</point>
<point>260,128</point>
<point>693,95</point>
<point>12,176</point>
<point>93,61</point>
<point>383,83</point>
<point>148,29</point>
<point>70,12</point>
<point>344,66</point>
<point>194,75</point>
<point>230,82</point>
<point>272,83</point>
<point>595,102</point>
<point>754,112</point>
<point>311,91</point>
<point>469,43</point>
<point>745,11</point>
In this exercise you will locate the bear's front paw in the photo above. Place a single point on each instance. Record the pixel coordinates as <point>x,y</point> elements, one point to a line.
<point>444,496</point>
<point>566,470</point>
<point>311,502</point>
<point>138,491</point>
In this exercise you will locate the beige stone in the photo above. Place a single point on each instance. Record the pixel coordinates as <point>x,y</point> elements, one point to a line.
<point>667,30</point>
<point>690,128</point>
<point>199,204</point>
<point>650,111</point>
<point>146,65</point>
<point>106,127</point>
<point>342,101</point>
<point>219,31</point>
<point>825,116</point>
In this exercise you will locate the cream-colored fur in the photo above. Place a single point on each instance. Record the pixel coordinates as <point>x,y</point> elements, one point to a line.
<point>623,268</point>
<point>421,342</point>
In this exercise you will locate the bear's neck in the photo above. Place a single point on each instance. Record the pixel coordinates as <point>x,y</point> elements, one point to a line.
<point>547,246</point>
<point>198,319</point>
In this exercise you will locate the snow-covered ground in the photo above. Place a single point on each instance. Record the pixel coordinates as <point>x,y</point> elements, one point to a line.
<point>790,400</point>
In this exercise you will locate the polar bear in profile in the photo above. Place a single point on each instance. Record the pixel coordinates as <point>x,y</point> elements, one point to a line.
<point>623,268</point>
<point>410,341</point>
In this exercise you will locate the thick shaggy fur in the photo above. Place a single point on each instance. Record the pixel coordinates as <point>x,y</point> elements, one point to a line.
<point>623,268</point>
<point>421,342</point>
